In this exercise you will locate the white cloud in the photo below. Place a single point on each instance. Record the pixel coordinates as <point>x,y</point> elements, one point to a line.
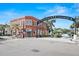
<point>8,15</point>
<point>11,14</point>
<point>57,10</point>
<point>60,10</point>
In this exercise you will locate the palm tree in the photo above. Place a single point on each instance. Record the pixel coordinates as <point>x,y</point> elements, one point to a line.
<point>72,26</point>
<point>50,25</point>
<point>16,26</point>
<point>57,32</point>
<point>2,28</point>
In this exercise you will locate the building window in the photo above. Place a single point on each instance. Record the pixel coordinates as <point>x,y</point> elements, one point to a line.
<point>28,22</point>
<point>34,23</point>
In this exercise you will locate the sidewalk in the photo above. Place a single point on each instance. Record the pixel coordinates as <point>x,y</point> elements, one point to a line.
<point>67,40</point>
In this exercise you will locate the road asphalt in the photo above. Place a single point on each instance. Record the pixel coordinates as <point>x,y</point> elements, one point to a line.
<point>38,47</point>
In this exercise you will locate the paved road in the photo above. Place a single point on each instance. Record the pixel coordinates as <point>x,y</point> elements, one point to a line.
<point>35,47</point>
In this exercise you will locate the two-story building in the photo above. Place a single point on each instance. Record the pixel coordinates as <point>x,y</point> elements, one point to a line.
<point>28,26</point>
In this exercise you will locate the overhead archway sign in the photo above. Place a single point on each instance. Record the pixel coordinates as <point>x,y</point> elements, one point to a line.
<point>59,16</point>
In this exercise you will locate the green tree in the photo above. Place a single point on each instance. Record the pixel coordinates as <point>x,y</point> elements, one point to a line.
<point>2,28</point>
<point>65,31</point>
<point>57,32</point>
<point>49,25</point>
<point>16,26</point>
<point>74,24</point>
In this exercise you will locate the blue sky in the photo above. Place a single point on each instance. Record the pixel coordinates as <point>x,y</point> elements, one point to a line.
<point>9,11</point>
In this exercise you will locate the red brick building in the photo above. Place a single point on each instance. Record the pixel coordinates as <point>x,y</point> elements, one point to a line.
<point>28,26</point>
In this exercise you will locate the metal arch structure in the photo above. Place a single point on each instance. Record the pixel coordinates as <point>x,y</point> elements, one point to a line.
<point>61,17</point>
